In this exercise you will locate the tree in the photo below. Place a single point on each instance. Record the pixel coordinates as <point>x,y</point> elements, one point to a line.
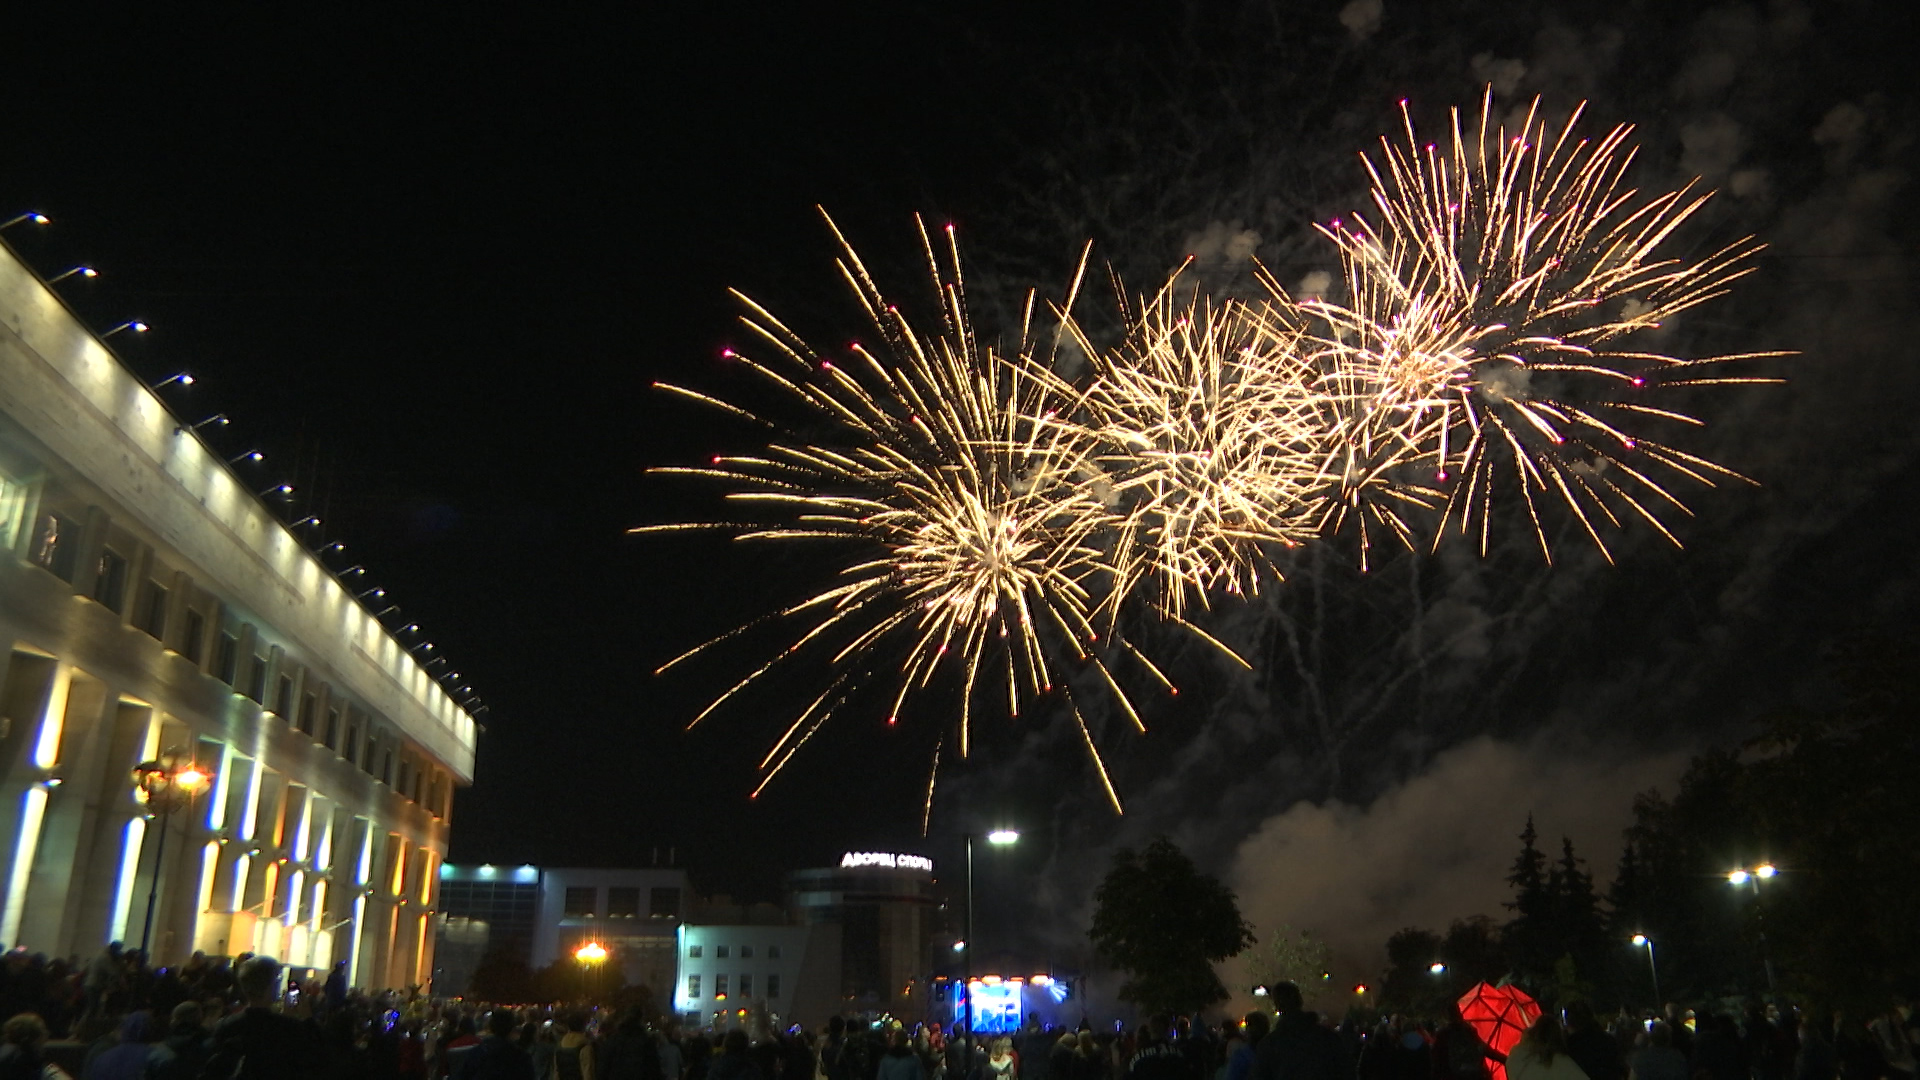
<point>1411,986</point>
<point>1579,932</point>
<point>1529,934</point>
<point>1165,924</point>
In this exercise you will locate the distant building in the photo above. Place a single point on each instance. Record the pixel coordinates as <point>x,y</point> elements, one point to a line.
<point>885,907</point>
<point>151,603</point>
<point>541,916</point>
<point>633,913</point>
<point>729,970</point>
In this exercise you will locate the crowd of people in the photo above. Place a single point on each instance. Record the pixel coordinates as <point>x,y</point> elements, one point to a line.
<point>115,1019</point>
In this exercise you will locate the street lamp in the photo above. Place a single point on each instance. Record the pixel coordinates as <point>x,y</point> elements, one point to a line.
<point>134,325</point>
<point>1645,942</point>
<point>1741,875</point>
<point>80,271</point>
<point>1436,968</point>
<point>998,838</point>
<point>591,956</point>
<point>168,782</point>
<point>37,219</point>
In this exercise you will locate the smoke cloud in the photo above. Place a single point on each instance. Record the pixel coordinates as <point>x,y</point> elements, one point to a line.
<point>1438,847</point>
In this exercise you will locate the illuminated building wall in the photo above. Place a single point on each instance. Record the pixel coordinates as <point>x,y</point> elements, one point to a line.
<point>886,915</point>
<point>150,601</point>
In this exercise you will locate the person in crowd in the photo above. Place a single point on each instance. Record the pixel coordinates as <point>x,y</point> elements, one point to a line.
<point>573,1050</point>
<point>1542,1053</point>
<point>899,1062</point>
<point>673,1063</point>
<point>1658,1059</point>
<point>268,1043</point>
<point>1001,1062</point>
<point>1090,1061</point>
<point>629,1052</point>
<point>183,1052</point>
<point>1156,1056</point>
<point>1060,1060</point>
<point>126,1059</point>
<point>1298,1048</point>
<point>1892,1035</point>
<point>733,1062</point>
<point>1595,1051</point>
<point>497,1056</point>
<point>1253,1029</point>
<point>23,1040</point>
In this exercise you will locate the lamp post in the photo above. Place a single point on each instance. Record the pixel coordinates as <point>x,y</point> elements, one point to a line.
<point>591,956</point>
<point>1642,941</point>
<point>1753,877</point>
<point>169,782</point>
<point>998,838</point>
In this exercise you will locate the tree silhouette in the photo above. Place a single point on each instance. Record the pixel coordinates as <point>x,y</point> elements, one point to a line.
<point>1165,924</point>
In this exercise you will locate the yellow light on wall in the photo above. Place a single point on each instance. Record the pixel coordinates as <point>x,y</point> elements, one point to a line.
<point>591,953</point>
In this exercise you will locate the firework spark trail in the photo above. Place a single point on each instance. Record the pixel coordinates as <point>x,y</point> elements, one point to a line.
<point>1489,337</point>
<point>1204,435</point>
<point>1492,312</point>
<point>974,545</point>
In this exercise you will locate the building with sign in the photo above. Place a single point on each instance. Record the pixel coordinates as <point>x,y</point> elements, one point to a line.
<point>885,908</point>
<point>156,610</point>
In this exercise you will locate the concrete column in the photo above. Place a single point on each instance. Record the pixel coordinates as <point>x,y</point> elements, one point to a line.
<point>35,696</point>
<point>93,540</point>
<point>139,569</point>
<point>77,875</point>
<point>179,598</point>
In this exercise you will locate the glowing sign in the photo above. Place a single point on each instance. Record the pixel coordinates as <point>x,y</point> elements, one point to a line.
<point>995,1007</point>
<point>886,859</point>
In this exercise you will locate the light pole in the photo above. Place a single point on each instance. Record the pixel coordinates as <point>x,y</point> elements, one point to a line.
<point>1742,876</point>
<point>1645,942</point>
<point>998,838</point>
<point>169,782</point>
<point>591,956</point>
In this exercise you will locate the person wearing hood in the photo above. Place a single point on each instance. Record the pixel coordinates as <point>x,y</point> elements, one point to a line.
<point>900,1062</point>
<point>126,1059</point>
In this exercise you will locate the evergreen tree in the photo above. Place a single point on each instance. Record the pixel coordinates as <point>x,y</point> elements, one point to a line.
<point>1529,934</point>
<point>1580,930</point>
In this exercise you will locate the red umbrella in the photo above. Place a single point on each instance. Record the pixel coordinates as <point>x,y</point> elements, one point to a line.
<point>1499,1015</point>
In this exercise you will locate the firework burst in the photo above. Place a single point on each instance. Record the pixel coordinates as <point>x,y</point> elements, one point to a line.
<point>1205,434</point>
<point>946,478</point>
<point>1500,304</point>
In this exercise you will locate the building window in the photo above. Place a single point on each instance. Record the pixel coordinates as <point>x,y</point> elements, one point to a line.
<point>110,584</point>
<point>582,901</point>
<point>57,546</point>
<point>191,648</point>
<point>693,983</point>
<point>719,986</point>
<point>308,706</point>
<point>773,953</point>
<point>257,680</point>
<point>227,660</point>
<point>664,903</point>
<point>401,787</point>
<point>746,952</point>
<point>333,729</point>
<point>154,621</point>
<point>386,768</point>
<point>746,986</point>
<point>351,747</point>
<point>694,951</point>
<point>283,697</point>
<point>623,903</point>
<point>773,986</point>
<point>720,952</point>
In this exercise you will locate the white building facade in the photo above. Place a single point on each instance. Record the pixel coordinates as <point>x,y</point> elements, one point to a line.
<point>151,603</point>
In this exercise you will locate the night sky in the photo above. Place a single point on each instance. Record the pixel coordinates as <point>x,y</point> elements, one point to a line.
<point>431,265</point>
